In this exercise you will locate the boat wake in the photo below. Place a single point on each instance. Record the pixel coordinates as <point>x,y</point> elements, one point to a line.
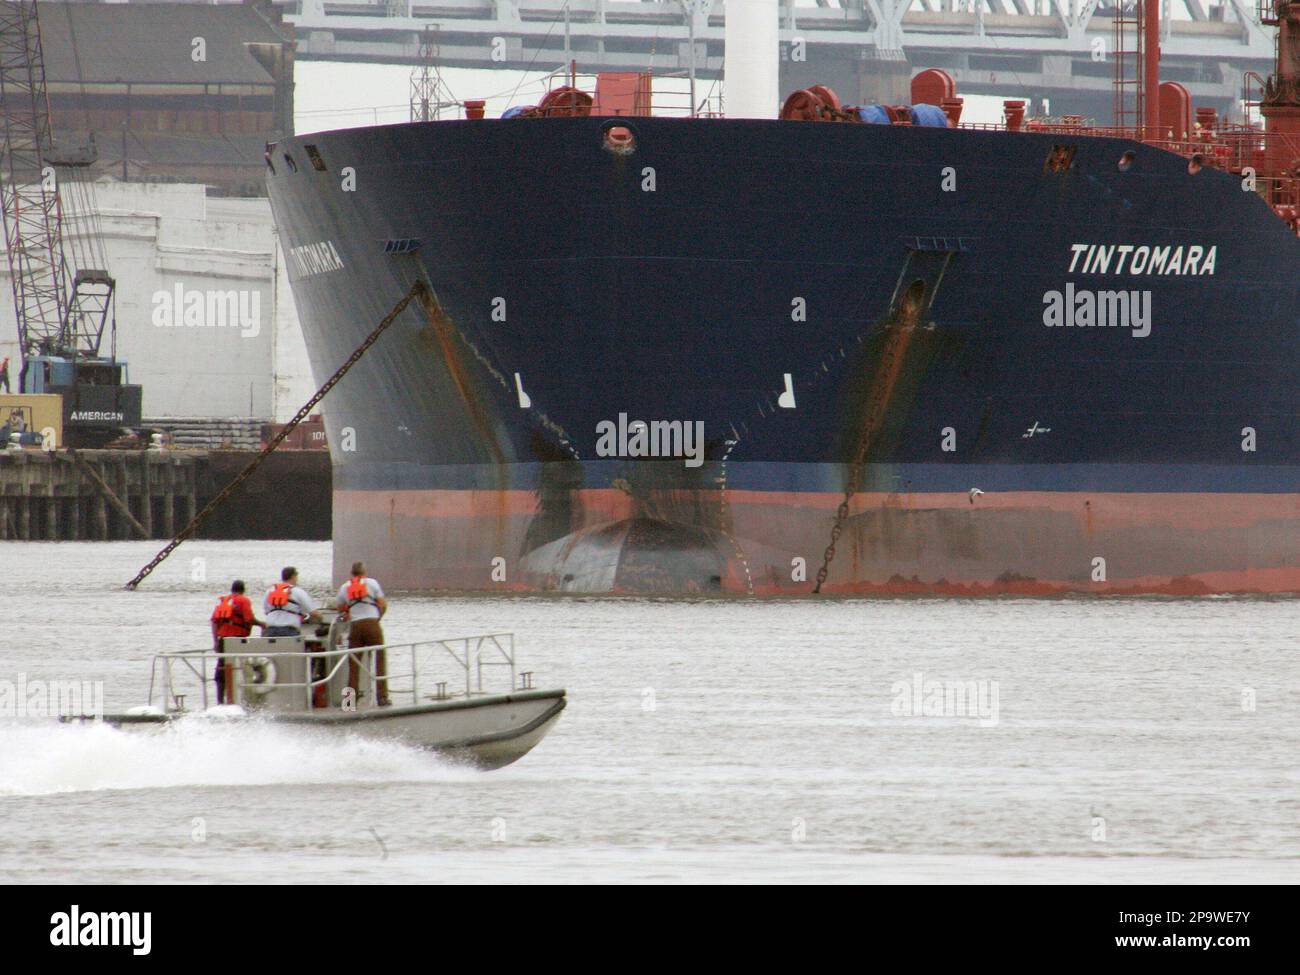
<point>48,758</point>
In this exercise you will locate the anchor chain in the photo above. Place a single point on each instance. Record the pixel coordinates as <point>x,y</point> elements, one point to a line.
<point>881,389</point>
<point>842,513</point>
<point>418,290</point>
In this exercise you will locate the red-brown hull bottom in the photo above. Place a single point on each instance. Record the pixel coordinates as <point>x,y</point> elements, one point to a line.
<point>773,544</point>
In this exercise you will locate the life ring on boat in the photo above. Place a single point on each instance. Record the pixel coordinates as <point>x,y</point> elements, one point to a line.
<point>259,675</point>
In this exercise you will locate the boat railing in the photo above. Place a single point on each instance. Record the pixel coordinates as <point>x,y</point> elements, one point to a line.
<point>412,671</point>
<point>471,653</point>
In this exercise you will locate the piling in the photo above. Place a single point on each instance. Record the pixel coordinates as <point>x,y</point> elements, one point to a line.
<point>93,495</point>
<point>107,495</point>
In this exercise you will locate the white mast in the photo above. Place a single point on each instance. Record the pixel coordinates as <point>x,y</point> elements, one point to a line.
<point>750,59</point>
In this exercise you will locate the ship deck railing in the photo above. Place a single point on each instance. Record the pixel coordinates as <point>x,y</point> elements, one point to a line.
<point>663,102</point>
<point>1228,145</point>
<point>412,670</point>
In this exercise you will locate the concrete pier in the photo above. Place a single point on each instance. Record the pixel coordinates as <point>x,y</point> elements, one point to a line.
<point>97,495</point>
<point>113,495</point>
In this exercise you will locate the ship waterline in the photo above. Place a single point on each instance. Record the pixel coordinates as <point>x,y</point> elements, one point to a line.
<point>1036,543</point>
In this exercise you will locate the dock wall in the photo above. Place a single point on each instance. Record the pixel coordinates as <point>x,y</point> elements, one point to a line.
<point>113,495</point>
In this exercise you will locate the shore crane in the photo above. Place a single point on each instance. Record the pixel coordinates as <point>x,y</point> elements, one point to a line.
<point>64,309</point>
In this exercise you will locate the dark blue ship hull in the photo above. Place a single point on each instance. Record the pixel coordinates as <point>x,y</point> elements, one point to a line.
<point>858,320</point>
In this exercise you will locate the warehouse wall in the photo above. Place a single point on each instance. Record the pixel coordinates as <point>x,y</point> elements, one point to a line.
<point>204,312</point>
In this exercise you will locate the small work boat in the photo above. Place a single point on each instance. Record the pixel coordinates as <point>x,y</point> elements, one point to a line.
<point>304,682</point>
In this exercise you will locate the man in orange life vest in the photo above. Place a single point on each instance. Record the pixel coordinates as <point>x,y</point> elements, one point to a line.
<point>232,617</point>
<point>362,600</point>
<point>287,606</point>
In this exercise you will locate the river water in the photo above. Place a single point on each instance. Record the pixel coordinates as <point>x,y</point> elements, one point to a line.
<point>1127,740</point>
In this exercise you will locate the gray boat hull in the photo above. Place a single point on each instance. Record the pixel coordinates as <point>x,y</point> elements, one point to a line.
<point>488,731</point>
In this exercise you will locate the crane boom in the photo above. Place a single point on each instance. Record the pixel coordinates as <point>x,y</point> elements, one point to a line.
<point>33,217</point>
<point>62,311</point>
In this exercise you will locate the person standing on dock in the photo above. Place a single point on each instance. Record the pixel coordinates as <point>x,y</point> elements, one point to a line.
<point>362,600</point>
<point>4,374</point>
<point>232,617</point>
<point>288,606</point>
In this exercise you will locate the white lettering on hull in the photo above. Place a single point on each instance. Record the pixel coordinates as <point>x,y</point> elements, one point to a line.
<point>306,260</point>
<point>1140,259</point>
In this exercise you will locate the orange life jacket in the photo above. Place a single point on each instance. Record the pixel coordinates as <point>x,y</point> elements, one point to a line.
<point>281,597</point>
<point>225,611</point>
<point>359,592</point>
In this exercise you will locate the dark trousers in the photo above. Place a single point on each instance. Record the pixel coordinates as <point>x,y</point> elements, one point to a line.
<point>368,633</point>
<point>222,665</point>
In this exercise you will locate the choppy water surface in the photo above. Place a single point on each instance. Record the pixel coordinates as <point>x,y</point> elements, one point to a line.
<point>1132,740</point>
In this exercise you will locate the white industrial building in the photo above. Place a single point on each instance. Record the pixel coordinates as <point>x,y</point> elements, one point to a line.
<point>205,317</point>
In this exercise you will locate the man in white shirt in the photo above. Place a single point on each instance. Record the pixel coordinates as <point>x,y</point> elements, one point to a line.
<point>287,606</point>
<point>362,600</point>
